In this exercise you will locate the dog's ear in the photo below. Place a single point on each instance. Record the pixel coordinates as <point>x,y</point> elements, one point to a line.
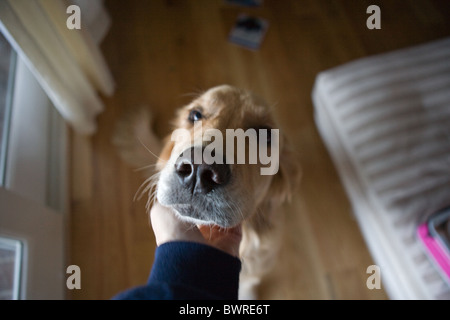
<point>165,153</point>
<point>287,179</point>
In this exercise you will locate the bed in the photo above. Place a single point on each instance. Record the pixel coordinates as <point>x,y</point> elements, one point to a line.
<point>385,121</point>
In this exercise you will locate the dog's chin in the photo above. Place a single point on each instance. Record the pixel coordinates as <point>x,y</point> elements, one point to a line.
<point>195,214</point>
<point>188,213</point>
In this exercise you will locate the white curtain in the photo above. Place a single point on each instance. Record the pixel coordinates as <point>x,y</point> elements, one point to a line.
<point>67,63</point>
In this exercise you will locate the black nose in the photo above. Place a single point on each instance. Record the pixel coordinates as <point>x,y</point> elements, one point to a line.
<point>198,176</point>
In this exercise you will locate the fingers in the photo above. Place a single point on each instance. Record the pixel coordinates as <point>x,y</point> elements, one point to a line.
<point>227,240</point>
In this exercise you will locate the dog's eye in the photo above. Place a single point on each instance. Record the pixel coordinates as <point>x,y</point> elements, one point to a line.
<point>195,115</point>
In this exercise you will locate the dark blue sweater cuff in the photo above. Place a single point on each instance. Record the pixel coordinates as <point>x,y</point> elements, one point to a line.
<point>196,271</point>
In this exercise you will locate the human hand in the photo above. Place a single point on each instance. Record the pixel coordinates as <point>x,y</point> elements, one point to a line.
<point>169,227</point>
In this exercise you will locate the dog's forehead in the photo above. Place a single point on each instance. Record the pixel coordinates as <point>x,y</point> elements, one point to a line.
<point>220,98</point>
<point>225,101</point>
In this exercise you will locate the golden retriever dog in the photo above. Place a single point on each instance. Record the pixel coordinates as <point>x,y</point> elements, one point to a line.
<point>227,162</point>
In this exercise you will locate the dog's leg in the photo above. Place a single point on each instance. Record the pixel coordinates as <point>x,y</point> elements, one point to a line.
<point>259,249</point>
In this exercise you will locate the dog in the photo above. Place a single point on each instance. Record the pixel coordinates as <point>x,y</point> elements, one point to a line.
<point>221,190</point>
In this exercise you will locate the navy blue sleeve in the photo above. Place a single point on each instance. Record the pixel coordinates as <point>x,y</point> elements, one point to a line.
<point>188,270</point>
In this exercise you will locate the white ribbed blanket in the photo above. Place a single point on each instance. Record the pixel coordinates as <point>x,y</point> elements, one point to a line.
<point>386,123</point>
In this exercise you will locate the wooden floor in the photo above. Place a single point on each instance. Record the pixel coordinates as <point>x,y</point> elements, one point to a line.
<point>158,52</point>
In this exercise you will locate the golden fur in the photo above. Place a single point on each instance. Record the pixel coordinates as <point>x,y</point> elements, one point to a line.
<point>249,198</point>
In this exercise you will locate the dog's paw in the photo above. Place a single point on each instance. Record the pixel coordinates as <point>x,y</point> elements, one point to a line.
<point>134,139</point>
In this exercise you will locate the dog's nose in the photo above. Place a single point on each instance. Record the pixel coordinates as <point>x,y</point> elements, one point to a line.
<point>198,176</point>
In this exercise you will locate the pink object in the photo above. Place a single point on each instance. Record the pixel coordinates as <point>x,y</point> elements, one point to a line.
<point>435,249</point>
